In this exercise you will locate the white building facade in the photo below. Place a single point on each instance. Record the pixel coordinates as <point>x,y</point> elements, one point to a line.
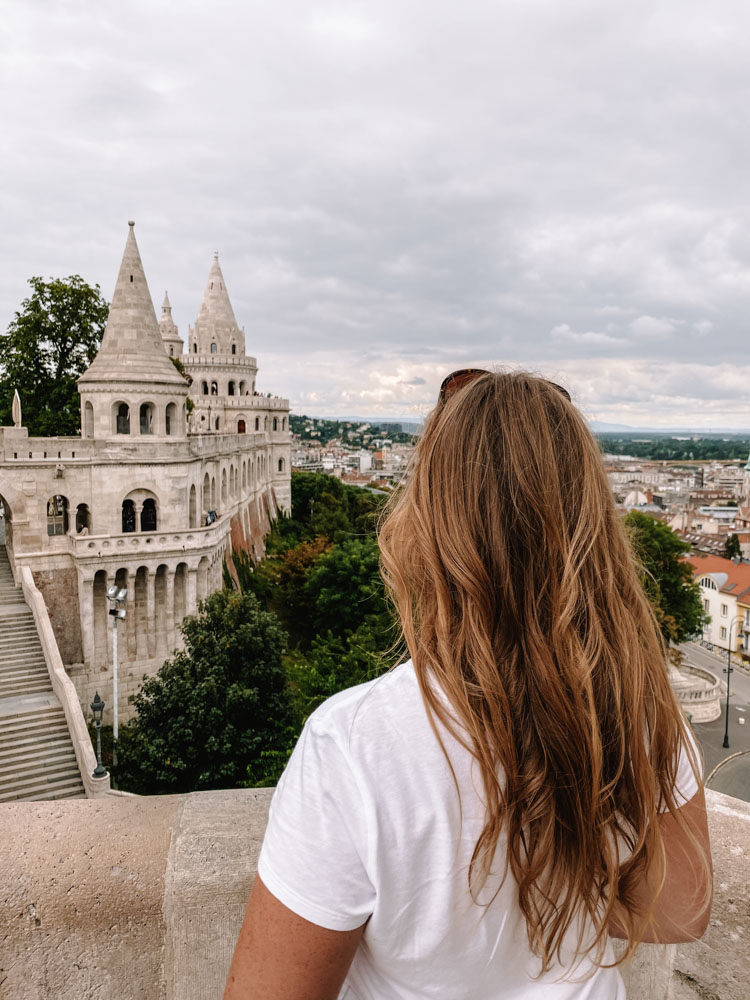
<point>164,484</point>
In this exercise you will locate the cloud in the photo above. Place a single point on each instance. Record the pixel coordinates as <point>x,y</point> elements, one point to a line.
<point>398,191</point>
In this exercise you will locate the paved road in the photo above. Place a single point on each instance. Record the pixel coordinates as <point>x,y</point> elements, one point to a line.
<point>733,778</point>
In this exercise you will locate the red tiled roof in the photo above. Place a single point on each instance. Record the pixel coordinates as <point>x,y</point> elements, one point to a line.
<point>738,574</point>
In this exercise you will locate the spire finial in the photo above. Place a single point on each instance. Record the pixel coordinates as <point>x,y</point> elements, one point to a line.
<point>216,254</point>
<point>131,223</point>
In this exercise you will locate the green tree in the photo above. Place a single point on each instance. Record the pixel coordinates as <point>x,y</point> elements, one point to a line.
<point>667,578</point>
<point>217,715</point>
<point>345,588</point>
<point>732,548</point>
<point>51,340</point>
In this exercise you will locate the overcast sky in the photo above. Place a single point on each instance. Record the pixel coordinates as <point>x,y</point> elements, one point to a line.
<point>397,189</point>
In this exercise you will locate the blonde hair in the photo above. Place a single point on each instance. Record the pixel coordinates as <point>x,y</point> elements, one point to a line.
<point>519,598</point>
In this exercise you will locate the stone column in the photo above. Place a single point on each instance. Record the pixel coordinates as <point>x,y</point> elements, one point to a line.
<point>86,599</point>
<point>169,629</point>
<point>191,602</point>
<point>150,612</point>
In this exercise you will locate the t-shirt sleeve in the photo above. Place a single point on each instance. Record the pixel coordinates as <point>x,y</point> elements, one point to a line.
<point>686,784</point>
<point>314,852</point>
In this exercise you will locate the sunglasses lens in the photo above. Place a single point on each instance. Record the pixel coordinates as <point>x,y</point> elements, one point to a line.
<point>458,380</point>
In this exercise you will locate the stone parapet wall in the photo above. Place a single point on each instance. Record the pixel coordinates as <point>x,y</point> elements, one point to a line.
<point>128,897</point>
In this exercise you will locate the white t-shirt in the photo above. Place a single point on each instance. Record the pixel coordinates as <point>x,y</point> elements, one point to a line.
<point>365,823</point>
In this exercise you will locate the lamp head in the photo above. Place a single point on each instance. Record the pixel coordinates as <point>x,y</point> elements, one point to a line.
<point>112,592</point>
<point>97,708</point>
<point>122,593</point>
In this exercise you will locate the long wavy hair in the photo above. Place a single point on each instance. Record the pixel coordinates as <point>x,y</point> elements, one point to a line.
<point>519,599</point>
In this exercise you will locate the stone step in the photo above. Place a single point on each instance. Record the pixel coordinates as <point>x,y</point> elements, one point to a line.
<point>21,649</point>
<point>19,724</point>
<point>26,655</point>
<point>63,762</point>
<point>65,788</point>
<point>13,690</point>
<point>36,751</point>
<point>31,747</point>
<point>23,673</point>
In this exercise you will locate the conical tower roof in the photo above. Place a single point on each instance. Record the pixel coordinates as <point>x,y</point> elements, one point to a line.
<point>132,349</point>
<point>216,321</point>
<point>167,326</point>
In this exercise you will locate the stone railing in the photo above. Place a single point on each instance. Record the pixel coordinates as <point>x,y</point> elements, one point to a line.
<point>144,897</point>
<point>139,542</point>
<point>63,687</point>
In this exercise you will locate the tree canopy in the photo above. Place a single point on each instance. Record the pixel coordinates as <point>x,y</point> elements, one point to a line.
<point>732,548</point>
<point>217,715</point>
<point>51,340</point>
<point>667,578</point>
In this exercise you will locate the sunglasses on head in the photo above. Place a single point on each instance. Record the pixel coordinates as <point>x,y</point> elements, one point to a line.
<point>464,376</point>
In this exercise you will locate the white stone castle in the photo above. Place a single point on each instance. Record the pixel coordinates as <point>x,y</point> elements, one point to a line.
<point>166,481</point>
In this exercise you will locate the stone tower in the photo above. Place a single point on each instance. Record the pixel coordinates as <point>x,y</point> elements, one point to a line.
<point>169,333</point>
<point>131,388</point>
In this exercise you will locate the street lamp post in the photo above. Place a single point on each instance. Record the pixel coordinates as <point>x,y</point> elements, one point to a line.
<point>97,708</point>
<point>116,597</point>
<point>728,671</point>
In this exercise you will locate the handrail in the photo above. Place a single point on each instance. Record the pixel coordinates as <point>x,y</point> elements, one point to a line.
<point>64,688</point>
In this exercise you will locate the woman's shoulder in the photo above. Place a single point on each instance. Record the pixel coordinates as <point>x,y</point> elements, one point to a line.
<point>392,699</point>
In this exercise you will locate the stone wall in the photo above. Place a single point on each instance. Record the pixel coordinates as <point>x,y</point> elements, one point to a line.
<point>144,897</point>
<point>59,588</point>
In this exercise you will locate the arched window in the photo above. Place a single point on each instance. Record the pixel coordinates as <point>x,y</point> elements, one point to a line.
<point>234,348</point>
<point>171,351</point>
<point>214,389</point>
<point>230,389</point>
<point>57,515</point>
<point>88,420</point>
<point>216,423</point>
<point>147,418</point>
<point>275,424</point>
<point>122,425</point>
<point>170,418</point>
<point>283,423</point>
<point>83,519</point>
<point>240,426</point>
<point>708,583</point>
<point>265,423</point>
<point>195,348</point>
<point>223,487</point>
<point>257,423</point>
<point>204,388</point>
<point>128,516</point>
<point>148,515</point>
<point>242,388</point>
<point>281,465</point>
<point>213,348</point>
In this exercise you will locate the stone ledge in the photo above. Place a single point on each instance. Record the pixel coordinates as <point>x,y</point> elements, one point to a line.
<point>143,897</point>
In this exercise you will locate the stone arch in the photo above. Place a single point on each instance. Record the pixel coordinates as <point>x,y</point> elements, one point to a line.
<point>57,514</point>
<point>170,418</point>
<point>244,476</point>
<point>192,507</point>
<point>213,492</point>
<point>204,387</point>
<point>241,425</point>
<point>148,514</point>
<point>120,417</point>
<point>83,518</point>
<point>161,617</point>
<point>230,387</point>
<point>281,465</point>
<point>139,612</point>
<point>202,581</point>
<point>223,489</point>
<point>146,418</point>
<point>88,419</point>
<point>214,389</point>
<point>206,495</point>
<point>275,423</point>
<point>257,423</point>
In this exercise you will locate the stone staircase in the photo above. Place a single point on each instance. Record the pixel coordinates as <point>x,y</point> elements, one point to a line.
<point>37,760</point>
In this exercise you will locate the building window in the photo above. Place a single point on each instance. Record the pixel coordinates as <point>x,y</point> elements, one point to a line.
<point>281,465</point>
<point>234,348</point>
<point>706,605</point>
<point>171,352</point>
<point>240,426</point>
<point>214,389</point>
<point>147,418</point>
<point>170,418</point>
<point>723,632</point>
<point>257,423</point>
<point>57,515</point>
<point>148,515</point>
<point>275,423</point>
<point>204,388</point>
<point>230,388</point>
<point>213,348</point>
<point>123,419</point>
<point>724,610</point>
<point>128,516</point>
<point>195,348</point>
<point>217,423</point>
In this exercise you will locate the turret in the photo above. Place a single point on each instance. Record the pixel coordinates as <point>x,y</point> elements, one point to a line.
<point>131,388</point>
<point>216,330</point>
<point>170,335</point>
